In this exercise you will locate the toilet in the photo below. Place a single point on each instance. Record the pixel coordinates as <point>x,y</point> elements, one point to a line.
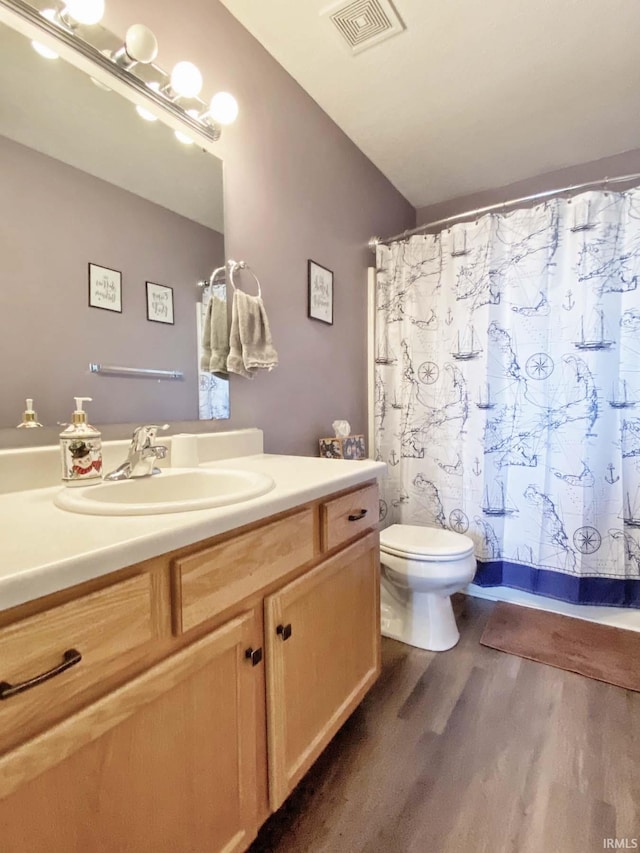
<point>421,567</point>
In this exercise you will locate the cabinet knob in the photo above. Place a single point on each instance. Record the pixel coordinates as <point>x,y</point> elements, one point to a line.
<point>254,655</point>
<point>284,631</point>
<point>358,515</point>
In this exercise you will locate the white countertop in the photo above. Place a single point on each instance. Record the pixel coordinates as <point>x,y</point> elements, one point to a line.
<point>44,549</point>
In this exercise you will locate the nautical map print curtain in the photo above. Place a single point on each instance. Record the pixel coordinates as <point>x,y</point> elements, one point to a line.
<point>508,393</point>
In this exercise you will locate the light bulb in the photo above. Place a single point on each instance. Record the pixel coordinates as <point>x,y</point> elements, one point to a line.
<point>85,11</point>
<point>141,44</point>
<point>223,108</point>
<point>184,137</point>
<point>143,112</point>
<point>186,80</point>
<point>43,50</point>
<point>146,114</point>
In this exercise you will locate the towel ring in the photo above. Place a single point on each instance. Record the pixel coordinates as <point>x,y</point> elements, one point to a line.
<point>216,272</point>
<point>212,279</point>
<point>241,265</point>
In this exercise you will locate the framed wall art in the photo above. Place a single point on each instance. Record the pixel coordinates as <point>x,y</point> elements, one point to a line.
<point>105,288</point>
<point>159,303</point>
<point>320,281</point>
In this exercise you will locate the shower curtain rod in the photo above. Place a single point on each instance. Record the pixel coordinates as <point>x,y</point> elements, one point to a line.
<point>621,179</point>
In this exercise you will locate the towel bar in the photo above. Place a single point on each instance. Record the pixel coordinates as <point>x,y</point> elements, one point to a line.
<point>143,372</point>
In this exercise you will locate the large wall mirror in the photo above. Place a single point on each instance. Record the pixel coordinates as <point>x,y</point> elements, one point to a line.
<point>86,180</point>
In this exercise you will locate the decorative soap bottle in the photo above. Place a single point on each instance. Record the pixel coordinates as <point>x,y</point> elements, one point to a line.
<point>81,449</point>
<point>29,417</point>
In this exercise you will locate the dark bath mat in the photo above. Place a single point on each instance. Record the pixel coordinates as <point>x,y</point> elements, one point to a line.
<point>596,651</point>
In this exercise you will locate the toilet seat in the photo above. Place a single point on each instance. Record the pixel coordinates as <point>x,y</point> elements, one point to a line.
<point>425,544</point>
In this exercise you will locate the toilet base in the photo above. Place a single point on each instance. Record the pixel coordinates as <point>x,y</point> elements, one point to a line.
<point>421,619</point>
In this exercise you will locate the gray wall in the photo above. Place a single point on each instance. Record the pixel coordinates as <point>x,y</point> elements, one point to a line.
<point>619,164</point>
<point>295,188</point>
<point>55,220</point>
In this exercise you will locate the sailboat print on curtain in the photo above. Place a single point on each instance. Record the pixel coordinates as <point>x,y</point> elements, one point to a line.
<point>596,339</point>
<point>516,420</point>
<point>484,398</point>
<point>497,504</point>
<point>466,346</point>
<point>620,397</point>
<point>631,515</point>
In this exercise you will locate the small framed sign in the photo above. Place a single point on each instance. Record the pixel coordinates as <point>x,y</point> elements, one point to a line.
<point>159,303</point>
<point>320,293</point>
<point>105,288</point>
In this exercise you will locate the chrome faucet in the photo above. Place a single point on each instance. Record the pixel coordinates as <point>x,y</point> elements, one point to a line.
<point>142,454</point>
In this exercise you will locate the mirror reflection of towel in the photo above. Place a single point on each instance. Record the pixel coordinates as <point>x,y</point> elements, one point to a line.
<point>250,343</point>
<point>215,337</point>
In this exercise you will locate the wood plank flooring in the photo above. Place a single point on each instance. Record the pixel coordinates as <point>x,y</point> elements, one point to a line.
<point>471,750</point>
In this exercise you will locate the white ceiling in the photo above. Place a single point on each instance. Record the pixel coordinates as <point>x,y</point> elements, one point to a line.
<point>471,95</point>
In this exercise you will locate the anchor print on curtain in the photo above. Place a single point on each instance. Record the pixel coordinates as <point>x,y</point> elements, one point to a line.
<point>507,393</point>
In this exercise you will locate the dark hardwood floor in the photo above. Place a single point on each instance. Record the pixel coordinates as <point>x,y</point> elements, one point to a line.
<point>471,750</point>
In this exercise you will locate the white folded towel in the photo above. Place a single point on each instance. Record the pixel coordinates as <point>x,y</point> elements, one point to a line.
<point>215,337</point>
<point>250,343</point>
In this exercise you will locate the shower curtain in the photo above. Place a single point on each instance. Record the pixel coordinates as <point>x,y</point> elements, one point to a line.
<point>507,393</point>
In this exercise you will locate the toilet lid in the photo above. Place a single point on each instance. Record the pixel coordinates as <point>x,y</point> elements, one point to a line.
<point>424,543</point>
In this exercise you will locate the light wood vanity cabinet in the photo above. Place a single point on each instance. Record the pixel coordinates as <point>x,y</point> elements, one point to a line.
<point>99,633</point>
<point>323,649</point>
<point>255,648</point>
<point>165,763</point>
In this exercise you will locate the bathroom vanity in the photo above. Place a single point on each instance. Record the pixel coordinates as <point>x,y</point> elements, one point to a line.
<point>190,692</point>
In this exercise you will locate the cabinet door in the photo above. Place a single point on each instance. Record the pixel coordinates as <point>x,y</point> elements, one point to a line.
<point>323,654</point>
<point>165,764</point>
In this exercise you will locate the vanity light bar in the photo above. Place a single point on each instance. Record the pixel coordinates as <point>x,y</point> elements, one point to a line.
<point>142,372</point>
<point>210,130</point>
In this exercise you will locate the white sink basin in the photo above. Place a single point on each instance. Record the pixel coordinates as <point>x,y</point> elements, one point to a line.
<point>173,490</point>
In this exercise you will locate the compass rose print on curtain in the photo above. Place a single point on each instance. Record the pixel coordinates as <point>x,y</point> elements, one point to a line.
<point>508,393</point>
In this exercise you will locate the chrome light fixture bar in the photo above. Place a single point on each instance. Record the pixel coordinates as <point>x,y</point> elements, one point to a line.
<point>35,23</point>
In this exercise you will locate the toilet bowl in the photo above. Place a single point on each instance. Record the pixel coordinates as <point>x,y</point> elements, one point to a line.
<point>421,567</point>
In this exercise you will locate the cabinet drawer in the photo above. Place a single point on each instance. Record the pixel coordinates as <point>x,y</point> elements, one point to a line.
<point>345,517</point>
<point>103,627</point>
<point>212,580</point>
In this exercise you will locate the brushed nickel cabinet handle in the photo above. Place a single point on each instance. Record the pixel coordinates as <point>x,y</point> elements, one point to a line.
<point>70,658</point>
<point>357,516</point>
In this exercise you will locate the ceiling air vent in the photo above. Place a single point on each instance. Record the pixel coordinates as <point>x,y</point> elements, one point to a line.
<point>364,23</point>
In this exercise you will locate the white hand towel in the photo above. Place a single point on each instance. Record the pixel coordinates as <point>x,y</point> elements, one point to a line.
<point>250,344</point>
<point>215,337</point>
<point>235,364</point>
<point>205,356</point>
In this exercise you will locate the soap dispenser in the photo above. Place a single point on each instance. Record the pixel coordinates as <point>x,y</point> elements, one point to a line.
<point>29,417</point>
<point>81,449</point>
